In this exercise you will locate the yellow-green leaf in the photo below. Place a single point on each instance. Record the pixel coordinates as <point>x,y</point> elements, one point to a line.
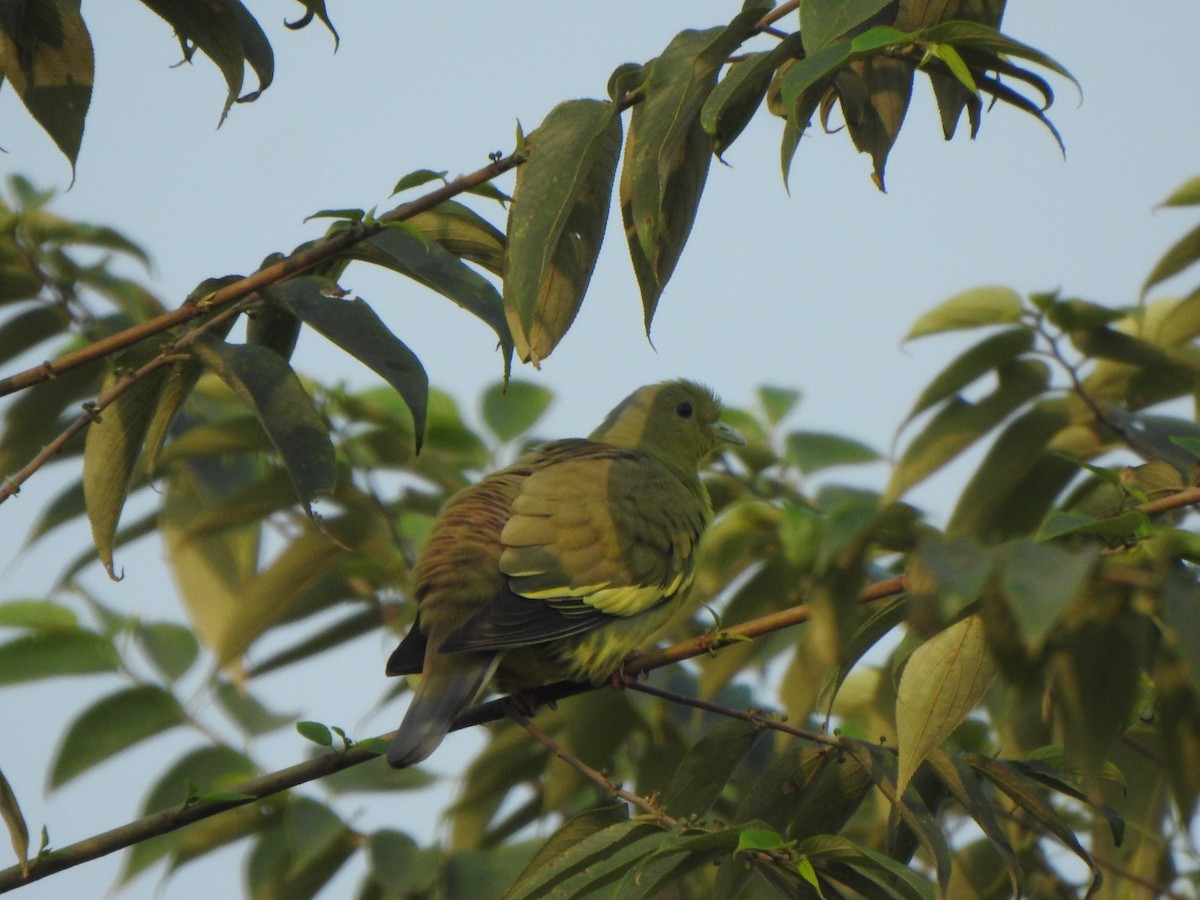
<point>975,308</point>
<point>112,724</point>
<point>944,679</point>
<point>556,222</point>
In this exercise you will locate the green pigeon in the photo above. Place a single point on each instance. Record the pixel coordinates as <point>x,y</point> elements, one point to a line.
<point>558,566</point>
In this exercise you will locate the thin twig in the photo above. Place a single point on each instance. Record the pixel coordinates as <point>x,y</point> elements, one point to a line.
<point>326,764</point>
<point>607,784</point>
<point>744,715</point>
<point>286,268</point>
<point>12,483</point>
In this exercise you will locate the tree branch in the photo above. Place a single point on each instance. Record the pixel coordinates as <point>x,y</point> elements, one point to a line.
<point>326,764</point>
<point>288,267</point>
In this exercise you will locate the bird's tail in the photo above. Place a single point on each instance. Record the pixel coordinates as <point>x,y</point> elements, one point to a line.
<point>439,698</point>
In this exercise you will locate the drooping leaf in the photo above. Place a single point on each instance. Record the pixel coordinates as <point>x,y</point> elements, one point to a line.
<point>959,423</point>
<point>702,774</point>
<point>463,233</point>
<point>298,859</point>
<point>46,55</point>
<point>268,385</point>
<point>668,151</point>
<point>595,859</point>
<point>172,648</point>
<point>510,410</point>
<point>405,249</point>
<point>205,770</point>
<point>247,712</point>
<point>737,96</point>
<point>943,681</point>
<point>37,615</point>
<point>1014,456</point>
<point>354,326</point>
<point>399,866</point>
<point>812,451</point>
<point>228,35</point>
<point>1182,254</point>
<point>112,724</point>
<point>971,309</point>
<point>965,787</point>
<point>973,364</point>
<point>874,93</point>
<point>24,331</point>
<point>1039,580</point>
<point>210,571</point>
<point>1187,194</point>
<point>822,23</point>
<point>18,831</point>
<point>566,837</point>
<point>51,653</point>
<point>1026,796</point>
<point>110,456</point>
<point>556,222</point>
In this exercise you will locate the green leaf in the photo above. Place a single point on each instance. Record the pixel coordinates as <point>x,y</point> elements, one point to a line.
<point>667,151</point>
<point>979,36</point>
<point>964,786</point>
<point>970,366</point>
<point>18,831</point>
<point>556,223</point>
<point>377,776</point>
<point>960,423</point>
<point>316,732</point>
<point>510,410</point>
<point>812,451</point>
<point>211,571</point>
<point>991,499</point>
<point>270,596</point>
<point>268,385</point>
<point>547,859</point>
<point>354,326</point>
<point>975,308</point>
<point>248,713</point>
<point>399,866</point>
<point>823,22</point>
<point>172,648</point>
<point>777,402</point>
<point>802,82</point>
<point>702,774</point>
<point>311,829</point>
<point>1182,254</point>
<point>46,55</point>
<point>228,35</point>
<point>754,839</point>
<point>37,615</point>
<point>1028,797</point>
<point>24,331</point>
<point>112,724</point>
<point>737,96</point>
<point>418,178</point>
<point>407,250</point>
<point>110,456</point>
<point>47,654</point>
<point>205,770</point>
<point>463,233</point>
<point>943,681</point>
<point>593,860</point>
<point>1187,194</point>
<point>1039,581</point>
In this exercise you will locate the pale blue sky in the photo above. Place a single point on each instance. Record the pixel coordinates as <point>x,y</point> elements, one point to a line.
<point>812,290</point>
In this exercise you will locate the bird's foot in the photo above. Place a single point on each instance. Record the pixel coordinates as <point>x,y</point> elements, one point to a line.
<point>620,679</point>
<point>527,702</point>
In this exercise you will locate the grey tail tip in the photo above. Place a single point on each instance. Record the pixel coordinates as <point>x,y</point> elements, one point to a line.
<point>407,749</point>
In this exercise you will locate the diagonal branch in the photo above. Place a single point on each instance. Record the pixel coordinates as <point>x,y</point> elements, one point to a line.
<point>310,770</point>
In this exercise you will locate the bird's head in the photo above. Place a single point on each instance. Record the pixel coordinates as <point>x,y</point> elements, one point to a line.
<point>675,421</point>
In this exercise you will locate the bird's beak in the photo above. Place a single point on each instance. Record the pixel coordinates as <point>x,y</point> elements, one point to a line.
<point>726,435</point>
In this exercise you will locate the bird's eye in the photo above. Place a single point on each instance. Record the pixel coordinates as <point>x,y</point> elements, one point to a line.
<point>684,410</point>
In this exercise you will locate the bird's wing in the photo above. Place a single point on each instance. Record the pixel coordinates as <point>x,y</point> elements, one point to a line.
<point>599,534</point>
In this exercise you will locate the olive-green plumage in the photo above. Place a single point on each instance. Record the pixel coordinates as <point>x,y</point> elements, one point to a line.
<point>561,564</point>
